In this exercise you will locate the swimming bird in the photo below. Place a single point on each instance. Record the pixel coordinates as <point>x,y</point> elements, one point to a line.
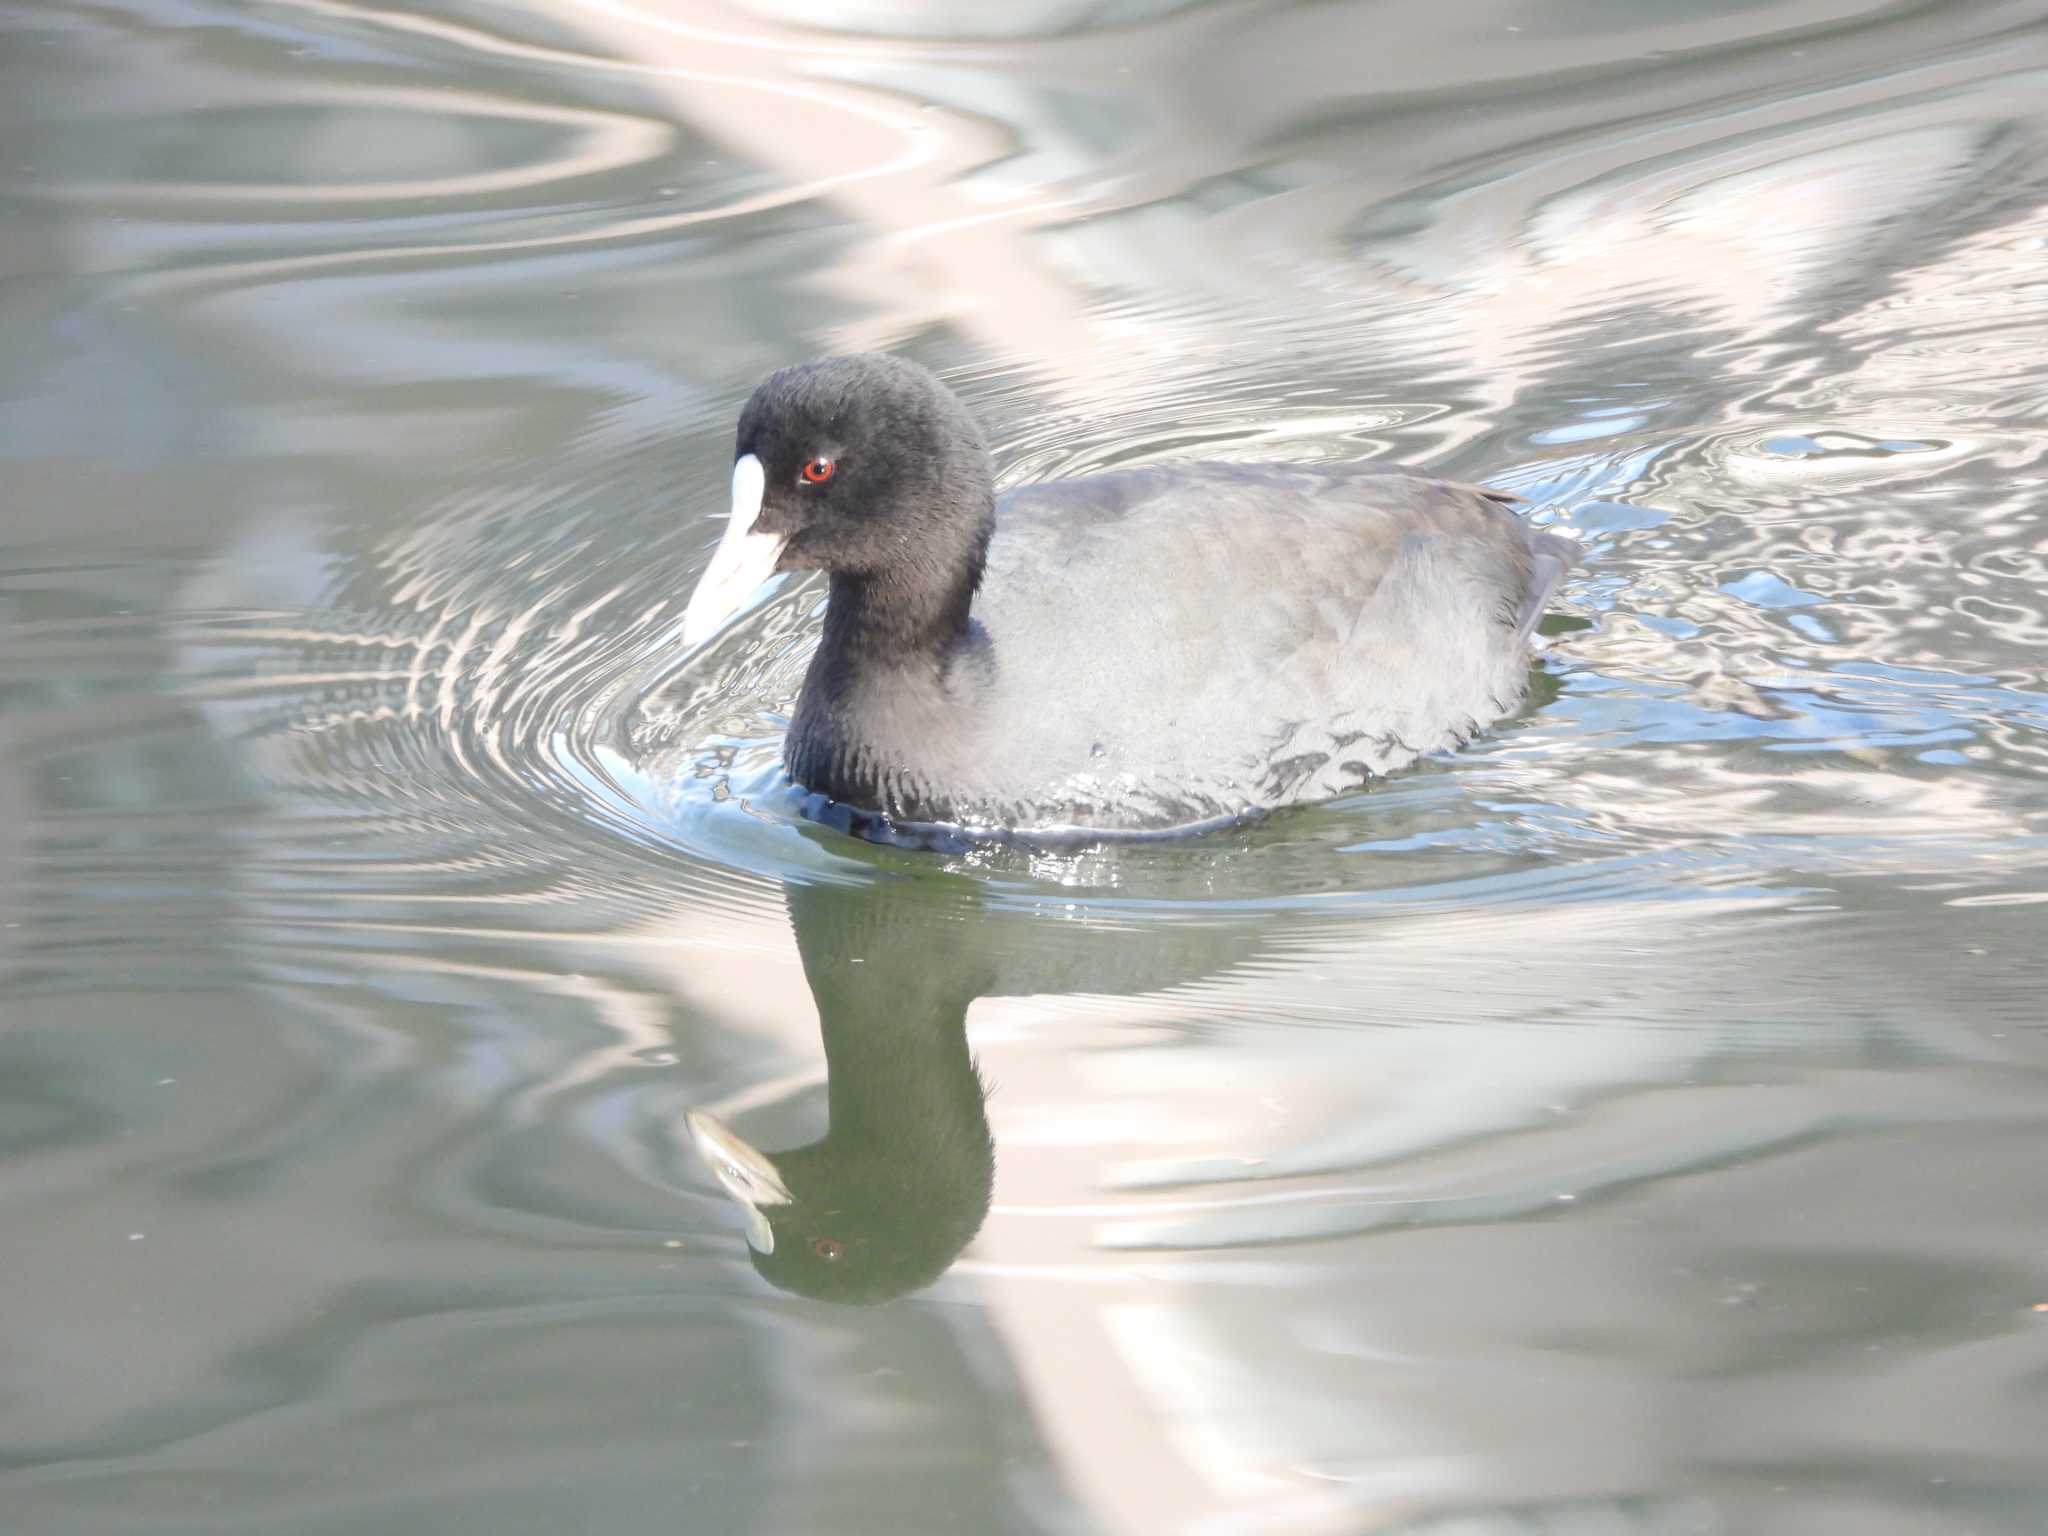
<point>1143,651</point>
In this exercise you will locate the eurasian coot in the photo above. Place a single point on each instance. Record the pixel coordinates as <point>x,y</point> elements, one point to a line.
<point>1148,650</point>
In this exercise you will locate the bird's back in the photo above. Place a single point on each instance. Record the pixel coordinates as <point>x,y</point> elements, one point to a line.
<point>1171,646</point>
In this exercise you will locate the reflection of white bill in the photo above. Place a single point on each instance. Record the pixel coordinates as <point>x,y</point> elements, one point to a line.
<point>743,1171</point>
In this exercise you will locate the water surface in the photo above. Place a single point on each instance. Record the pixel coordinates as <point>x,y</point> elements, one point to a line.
<point>1632,1123</point>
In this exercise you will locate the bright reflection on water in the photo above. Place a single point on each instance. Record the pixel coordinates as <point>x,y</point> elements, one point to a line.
<point>1634,1123</point>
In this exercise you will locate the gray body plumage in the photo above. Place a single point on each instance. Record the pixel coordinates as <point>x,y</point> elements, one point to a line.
<point>1167,648</point>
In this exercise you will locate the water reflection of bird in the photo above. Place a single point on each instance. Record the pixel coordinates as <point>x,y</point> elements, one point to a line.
<point>900,1182</point>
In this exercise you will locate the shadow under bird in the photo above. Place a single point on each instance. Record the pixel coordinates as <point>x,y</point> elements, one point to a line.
<point>1146,651</point>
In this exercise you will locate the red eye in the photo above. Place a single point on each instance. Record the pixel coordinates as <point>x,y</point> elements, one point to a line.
<point>826,1248</point>
<point>818,471</point>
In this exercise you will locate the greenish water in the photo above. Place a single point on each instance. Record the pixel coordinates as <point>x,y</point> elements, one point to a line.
<point>1632,1124</point>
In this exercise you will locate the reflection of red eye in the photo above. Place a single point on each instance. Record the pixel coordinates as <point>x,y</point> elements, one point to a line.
<point>818,471</point>
<point>826,1248</point>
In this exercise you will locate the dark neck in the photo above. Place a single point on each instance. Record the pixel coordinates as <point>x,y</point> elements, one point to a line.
<point>919,604</point>
<point>899,651</point>
<point>881,618</point>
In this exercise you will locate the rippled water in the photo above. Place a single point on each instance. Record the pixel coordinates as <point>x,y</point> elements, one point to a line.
<point>1633,1123</point>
